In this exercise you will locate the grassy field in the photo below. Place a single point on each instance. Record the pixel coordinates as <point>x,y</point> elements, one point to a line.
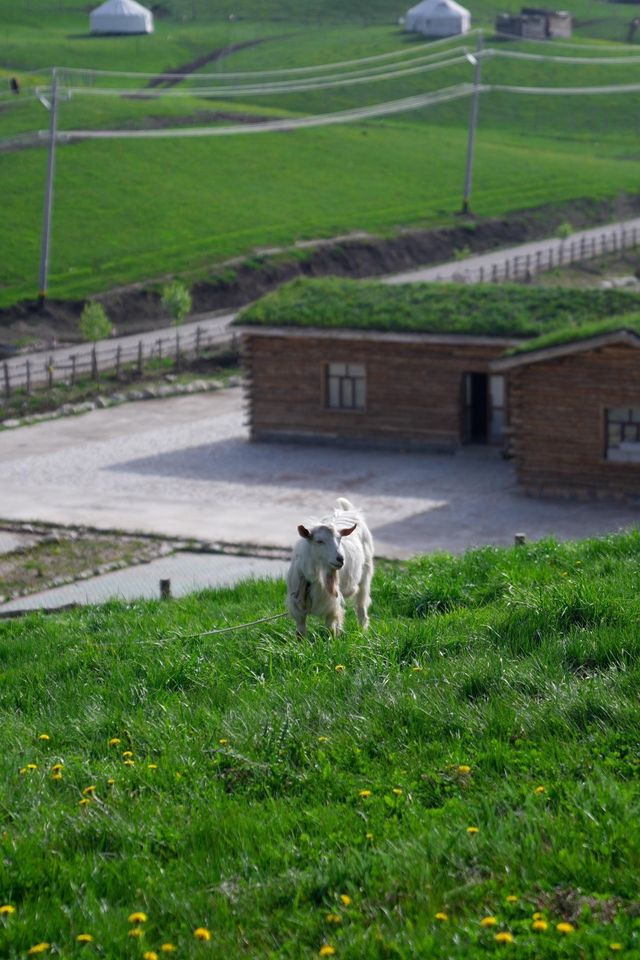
<point>461,783</point>
<point>132,211</point>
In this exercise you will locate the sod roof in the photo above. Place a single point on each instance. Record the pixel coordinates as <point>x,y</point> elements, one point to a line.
<point>506,310</point>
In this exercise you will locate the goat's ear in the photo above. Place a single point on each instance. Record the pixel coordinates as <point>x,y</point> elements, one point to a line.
<point>304,532</point>
<point>345,533</point>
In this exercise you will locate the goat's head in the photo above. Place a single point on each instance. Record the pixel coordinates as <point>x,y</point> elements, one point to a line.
<point>324,542</point>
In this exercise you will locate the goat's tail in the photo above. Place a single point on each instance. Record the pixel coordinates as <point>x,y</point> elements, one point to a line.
<point>345,504</point>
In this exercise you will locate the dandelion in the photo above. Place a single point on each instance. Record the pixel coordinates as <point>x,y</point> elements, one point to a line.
<point>539,926</point>
<point>56,776</point>
<point>127,754</point>
<point>333,918</point>
<point>44,736</point>
<point>488,922</point>
<point>38,948</point>
<point>201,933</point>
<point>84,802</point>
<point>540,789</point>
<point>538,916</point>
<point>565,928</point>
<point>339,667</point>
<point>168,948</point>
<point>129,763</point>
<point>149,955</point>
<point>115,741</point>
<point>23,769</point>
<point>417,668</point>
<point>223,741</point>
<point>364,794</point>
<point>32,766</point>
<point>322,739</point>
<point>615,946</point>
<point>6,910</point>
<point>464,769</point>
<point>137,917</point>
<point>326,950</point>
<point>110,782</point>
<point>397,791</point>
<point>504,937</point>
<point>472,830</point>
<point>369,835</point>
<point>511,898</point>
<point>84,938</point>
<point>89,790</point>
<point>442,916</point>
<point>152,766</point>
<point>346,899</point>
<point>57,767</point>
<point>136,932</point>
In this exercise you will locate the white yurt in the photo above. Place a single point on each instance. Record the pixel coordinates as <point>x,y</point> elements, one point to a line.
<point>121,16</point>
<point>438,18</point>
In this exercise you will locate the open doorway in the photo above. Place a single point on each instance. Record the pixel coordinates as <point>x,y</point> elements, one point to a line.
<point>484,408</point>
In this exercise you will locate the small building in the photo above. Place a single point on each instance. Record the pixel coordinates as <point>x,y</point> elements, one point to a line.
<point>535,23</point>
<point>438,18</point>
<point>121,17</point>
<point>375,371</point>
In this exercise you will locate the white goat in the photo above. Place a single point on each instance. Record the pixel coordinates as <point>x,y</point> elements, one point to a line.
<point>333,560</point>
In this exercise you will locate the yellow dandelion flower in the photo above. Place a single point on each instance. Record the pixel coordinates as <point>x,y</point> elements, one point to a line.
<point>223,741</point>
<point>369,835</point>
<point>149,955</point>
<point>464,768</point>
<point>442,916</point>
<point>565,928</point>
<point>397,791</point>
<point>136,932</point>
<point>201,933</point>
<point>127,754</point>
<point>488,922</point>
<point>333,918</point>
<point>38,948</point>
<point>339,667</point>
<point>504,937</point>
<point>57,767</point>
<point>540,789</point>
<point>128,763</point>
<point>539,926</point>
<point>345,899</point>
<point>364,794</point>
<point>416,669</point>
<point>322,739</point>
<point>168,948</point>
<point>84,802</point>
<point>44,736</point>
<point>615,946</point>
<point>110,782</point>
<point>473,829</point>
<point>538,916</point>
<point>84,938</point>
<point>511,898</point>
<point>6,910</point>
<point>23,769</point>
<point>115,741</point>
<point>152,766</point>
<point>32,766</point>
<point>326,950</point>
<point>89,790</point>
<point>137,917</point>
<point>56,775</point>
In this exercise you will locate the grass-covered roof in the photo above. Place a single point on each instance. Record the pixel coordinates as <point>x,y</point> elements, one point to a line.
<point>505,310</point>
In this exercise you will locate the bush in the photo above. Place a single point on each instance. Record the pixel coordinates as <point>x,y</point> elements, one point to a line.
<point>94,322</point>
<point>176,300</point>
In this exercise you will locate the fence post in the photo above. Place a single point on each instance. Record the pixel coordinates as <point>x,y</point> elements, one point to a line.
<point>140,358</point>
<point>118,360</point>
<point>582,247</point>
<point>494,272</point>
<point>506,269</point>
<point>28,378</point>
<point>73,368</point>
<point>177,350</point>
<point>538,260</point>
<point>481,276</point>
<point>198,336</point>
<point>94,363</point>
<point>7,382</point>
<point>159,348</point>
<point>50,373</point>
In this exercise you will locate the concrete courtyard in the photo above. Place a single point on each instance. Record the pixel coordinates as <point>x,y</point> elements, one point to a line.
<point>184,467</point>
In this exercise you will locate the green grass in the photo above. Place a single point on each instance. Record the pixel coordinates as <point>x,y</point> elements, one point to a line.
<point>507,310</point>
<point>483,678</point>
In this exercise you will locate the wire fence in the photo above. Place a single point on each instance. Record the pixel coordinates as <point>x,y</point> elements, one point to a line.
<point>91,361</point>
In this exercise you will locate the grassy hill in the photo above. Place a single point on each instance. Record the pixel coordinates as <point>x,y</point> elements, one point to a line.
<point>130,211</point>
<point>427,790</point>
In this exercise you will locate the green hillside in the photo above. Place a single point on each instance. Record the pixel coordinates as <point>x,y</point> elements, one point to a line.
<point>460,783</point>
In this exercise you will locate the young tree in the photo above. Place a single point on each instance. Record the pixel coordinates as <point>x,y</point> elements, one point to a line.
<point>176,300</point>
<point>94,322</point>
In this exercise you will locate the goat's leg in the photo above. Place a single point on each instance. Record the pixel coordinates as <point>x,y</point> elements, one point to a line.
<point>335,619</point>
<point>363,597</point>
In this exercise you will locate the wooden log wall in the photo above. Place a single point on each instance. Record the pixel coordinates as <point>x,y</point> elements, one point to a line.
<point>414,389</point>
<point>558,423</point>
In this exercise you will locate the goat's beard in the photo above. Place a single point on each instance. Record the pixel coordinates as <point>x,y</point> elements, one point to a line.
<point>331,582</point>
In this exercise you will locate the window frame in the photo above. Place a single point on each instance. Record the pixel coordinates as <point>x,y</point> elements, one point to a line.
<point>607,421</point>
<point>344,379</point>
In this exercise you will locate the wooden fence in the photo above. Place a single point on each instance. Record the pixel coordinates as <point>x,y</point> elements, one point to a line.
<point>92,360</point>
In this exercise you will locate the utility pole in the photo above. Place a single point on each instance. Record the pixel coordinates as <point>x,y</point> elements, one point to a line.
<point>48,190</point>
<point>473,122</point>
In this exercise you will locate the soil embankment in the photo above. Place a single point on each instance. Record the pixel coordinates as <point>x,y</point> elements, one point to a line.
<point>136,308</point>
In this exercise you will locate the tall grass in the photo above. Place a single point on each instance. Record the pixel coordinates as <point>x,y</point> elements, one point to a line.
<point>288,795</point>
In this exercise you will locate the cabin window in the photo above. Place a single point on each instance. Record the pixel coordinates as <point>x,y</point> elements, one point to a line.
<point>622,426</point>
<point>346,387</point>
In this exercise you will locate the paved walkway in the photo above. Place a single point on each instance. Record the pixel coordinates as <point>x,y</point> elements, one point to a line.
<point>188,572</point>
